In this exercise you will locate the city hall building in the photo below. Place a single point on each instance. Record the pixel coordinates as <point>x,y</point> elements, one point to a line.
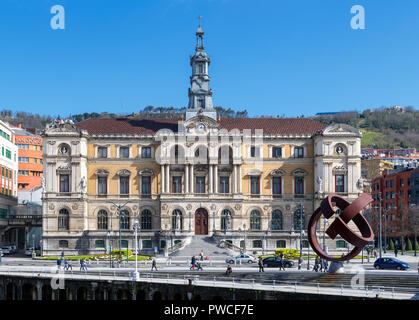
<point>239,180</point>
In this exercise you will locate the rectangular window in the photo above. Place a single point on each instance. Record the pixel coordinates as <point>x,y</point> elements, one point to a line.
<point>276,186</point>
<point>64,183</point>
<point>102,185</point>
<point>253,152</point>
<point>124,152</point>
<point>200,185</point>
<point>299,185</point>
<point>24,159</point>
<point>147,244</point>
<point>339,183</point>
<point>146,185</point>
<point>276,152</point>
<point>177,184</point>
<point>224,185</point>
<point>102,152</point>
<point>401,182</point>
<point>255,185</point>
<point>401,193</point>
<point>8,154</point>
<point>298,152</point>
<point>124,185</point>
<point>146,152</point>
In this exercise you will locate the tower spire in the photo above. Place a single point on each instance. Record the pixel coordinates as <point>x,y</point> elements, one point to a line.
<point>200,94</point>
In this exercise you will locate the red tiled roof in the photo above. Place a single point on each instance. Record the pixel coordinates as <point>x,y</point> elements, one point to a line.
<point>136,126</point>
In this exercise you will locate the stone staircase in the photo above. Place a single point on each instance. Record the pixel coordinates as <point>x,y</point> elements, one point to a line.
<point>208,246</point>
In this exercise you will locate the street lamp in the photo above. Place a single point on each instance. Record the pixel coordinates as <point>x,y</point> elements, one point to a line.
<point>118,210</point>
<point>325,223</point>
<point>108,235</point>
<point>244,228</point>
<point>300,209</point>
<point>380,228</point>
<point>135,275</point>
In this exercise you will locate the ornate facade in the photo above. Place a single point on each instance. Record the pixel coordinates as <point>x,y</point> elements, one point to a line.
<point>239,180</point>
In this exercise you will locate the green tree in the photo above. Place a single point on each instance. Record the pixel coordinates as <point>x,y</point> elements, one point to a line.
<point>391,244</point>
<point>408,245</point>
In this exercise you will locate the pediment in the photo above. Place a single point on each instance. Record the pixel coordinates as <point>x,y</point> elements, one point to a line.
<point>341,129</point>
<point>209,123</point>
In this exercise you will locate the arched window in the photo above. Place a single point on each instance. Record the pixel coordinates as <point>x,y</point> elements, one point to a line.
<point>225,216</point>
<point>102,220</point>
<point>340,244</point>
<point>255,220</point>
<point>297,218</point>
<point>257,243</point>
<point>63,244</point>
<point>63,219</point>
<point>177,220</point>
<point>225,155</point>
<point>100,244</point>
<point>124,220</point>
<point>281,244</point>
<point>146,219</point>
<point>276,220</point>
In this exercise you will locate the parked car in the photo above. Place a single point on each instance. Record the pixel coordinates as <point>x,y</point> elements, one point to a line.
<point>6,250</point>
<point>1,253</point>
<point>29,251</point>
<point>273,262</point>
<point>242,258</point>
<point>390,263</point>
<point>11,248</point>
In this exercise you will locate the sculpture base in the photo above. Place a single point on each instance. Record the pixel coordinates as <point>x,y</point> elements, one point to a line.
<point>336,267</point>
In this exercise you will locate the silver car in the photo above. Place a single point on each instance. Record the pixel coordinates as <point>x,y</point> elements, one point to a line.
<point>5,250</point>
<point>242,258</point>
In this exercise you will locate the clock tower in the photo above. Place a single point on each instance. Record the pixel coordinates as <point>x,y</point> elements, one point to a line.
<point>200,94</point>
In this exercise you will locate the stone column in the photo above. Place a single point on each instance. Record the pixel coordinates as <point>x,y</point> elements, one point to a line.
<point>167,179</point>
<point>240,179</point>
<point>210,179</point>
<point>191,187</point>
<point>234,179</point>
<point>186,178</point>
<point>215,179</point>
<point>162,179</point>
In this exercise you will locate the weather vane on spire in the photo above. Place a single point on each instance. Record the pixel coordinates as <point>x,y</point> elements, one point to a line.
<point>199,20</point>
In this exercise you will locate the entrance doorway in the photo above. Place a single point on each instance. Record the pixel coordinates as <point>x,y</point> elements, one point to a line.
<point>201,221</point>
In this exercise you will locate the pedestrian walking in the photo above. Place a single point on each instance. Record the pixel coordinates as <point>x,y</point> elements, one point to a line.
<point>65,264</point>
<point>325,265</point>
<point>300,262</point>
<point>193,261</point>
<point>201,254</point>
<point>375,254</point>
<point>59,264</point>
<point>154,265</point>
<point>316,264</point>
<point>321,265</point>
<point>198,266</point>
<point>229,270</point>
<point>395,251</point>
<point>260,263</point>
<point>281,263</point>
<point>83,264</point>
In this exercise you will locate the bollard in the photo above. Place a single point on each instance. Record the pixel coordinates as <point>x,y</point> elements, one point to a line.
<point>273,283</point>
<point>392,292</point>
<point>295,286</point>
<point>233,282</point>
<point>341,289</point>
<point>253,283</point>
<point>214,281</point>
<point>318,288</point>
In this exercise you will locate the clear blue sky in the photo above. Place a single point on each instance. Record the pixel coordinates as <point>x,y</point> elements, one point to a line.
<point>271,57</point>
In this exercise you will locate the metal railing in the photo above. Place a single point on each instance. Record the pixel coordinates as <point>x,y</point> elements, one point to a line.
<point>368,291</point>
